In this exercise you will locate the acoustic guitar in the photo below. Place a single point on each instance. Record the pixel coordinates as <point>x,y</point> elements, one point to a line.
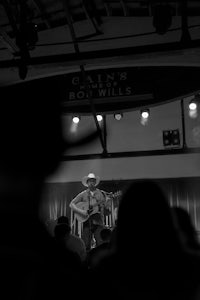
<point>94,208</point>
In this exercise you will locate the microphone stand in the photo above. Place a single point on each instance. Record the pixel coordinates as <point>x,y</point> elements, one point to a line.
<point>106,194</point>
<point>89,222</point>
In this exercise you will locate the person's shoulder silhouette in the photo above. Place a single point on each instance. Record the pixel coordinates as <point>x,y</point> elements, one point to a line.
<point>32,145</point>
<point>148,247</point>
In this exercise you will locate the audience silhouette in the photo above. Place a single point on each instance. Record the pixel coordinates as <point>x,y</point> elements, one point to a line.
<point>97,253</point>
<point>71,242</point>
<point>33,265</point>
<point>150,260</point>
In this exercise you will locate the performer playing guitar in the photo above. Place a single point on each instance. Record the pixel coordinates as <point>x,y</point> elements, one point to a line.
<point>89,206</point>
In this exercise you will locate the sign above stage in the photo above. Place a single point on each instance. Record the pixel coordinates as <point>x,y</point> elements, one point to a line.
<point>121,89</point>
<point>128,88</point>
<point>101,84</point>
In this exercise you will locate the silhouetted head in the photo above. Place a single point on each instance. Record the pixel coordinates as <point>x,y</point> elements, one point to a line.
<point>31,138</point>
<point>31,130</point>
<point>105,234</point>
<point>63,220</point>
<point>61,231</point>
<point>145,221</point>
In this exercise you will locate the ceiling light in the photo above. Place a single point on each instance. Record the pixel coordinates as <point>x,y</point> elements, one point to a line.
<point>192,105</point>
<point>145,113</point>
<point>118,116</point>
<point>76,119</point>
<point>99,118</point>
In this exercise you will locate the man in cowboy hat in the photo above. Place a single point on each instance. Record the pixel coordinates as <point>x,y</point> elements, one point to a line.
<point>89,207</point>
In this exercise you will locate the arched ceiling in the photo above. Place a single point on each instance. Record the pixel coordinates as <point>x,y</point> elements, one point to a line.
<point>60,40</point>
<point>55,41</point>
<point>107,33</point>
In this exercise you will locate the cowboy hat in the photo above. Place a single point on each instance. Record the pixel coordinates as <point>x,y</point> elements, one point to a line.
<point>90,176</point>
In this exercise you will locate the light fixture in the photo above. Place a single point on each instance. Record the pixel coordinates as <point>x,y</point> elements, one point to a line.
<point>145,113</point>
<point>193,106</point>
<point>162,17</point>
<point>118,116</point>
<point>99,118</point>
<point>76,119</point>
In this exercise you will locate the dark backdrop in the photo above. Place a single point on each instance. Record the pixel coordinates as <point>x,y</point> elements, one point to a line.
<point>184,192</point>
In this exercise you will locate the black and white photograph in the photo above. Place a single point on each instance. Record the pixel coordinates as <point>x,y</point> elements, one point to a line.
<point>100,149</point>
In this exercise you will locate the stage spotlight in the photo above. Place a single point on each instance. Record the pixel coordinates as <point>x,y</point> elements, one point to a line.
<point>76,120</point>
<point>99,118</point>
<point>118,116</point>
<point>145,113</point>
<point>162,18</point>
<point>144,116</point>
<point>192,105</point>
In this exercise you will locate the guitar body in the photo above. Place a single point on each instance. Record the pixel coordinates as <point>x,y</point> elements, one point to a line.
<point>95,207</point>
<point>85,206</point>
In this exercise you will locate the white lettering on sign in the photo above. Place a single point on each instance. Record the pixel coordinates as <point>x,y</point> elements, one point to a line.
<point>100,85</point>
<point>100,93</point>
<point>123,76</point>
<point>75,80</point>
<point>100,78</point>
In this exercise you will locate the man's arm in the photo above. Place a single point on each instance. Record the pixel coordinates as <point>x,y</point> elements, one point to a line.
<point>77,199</point>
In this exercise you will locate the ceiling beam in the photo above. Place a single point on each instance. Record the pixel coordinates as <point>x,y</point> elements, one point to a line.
<point>132,154</point>
<point>100,56</point>
<point>20,41</point>
<point>124,8</point>
<point>8,42</point>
